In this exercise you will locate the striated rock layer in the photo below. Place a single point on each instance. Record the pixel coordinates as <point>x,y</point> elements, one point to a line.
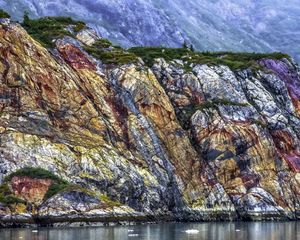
<point>160,143</point>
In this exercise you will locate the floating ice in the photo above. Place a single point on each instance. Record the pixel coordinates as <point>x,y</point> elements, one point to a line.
<point>133,235</point>
<point>192,231</point>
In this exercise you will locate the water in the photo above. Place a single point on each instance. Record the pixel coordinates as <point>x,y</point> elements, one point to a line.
<point>170,231</point>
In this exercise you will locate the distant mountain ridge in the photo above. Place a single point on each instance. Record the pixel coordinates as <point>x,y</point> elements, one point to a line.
<point>230,25</point>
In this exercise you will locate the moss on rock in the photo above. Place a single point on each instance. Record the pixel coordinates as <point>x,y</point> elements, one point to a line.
<point>105,199</point>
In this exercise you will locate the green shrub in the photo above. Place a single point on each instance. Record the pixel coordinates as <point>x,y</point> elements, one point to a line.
<point>4,189</point>
<point>149,54</point>
<point>10,199</point>
<point>104,51</point>
<point>46,30</point>
<point>6,196</point>
<point>102,43</point>
<point>79,26</point>
<point>32,172</point>
<point>234,61</point>
<point>4,14</point>
<point>55,188</point>
<point>227,102</point>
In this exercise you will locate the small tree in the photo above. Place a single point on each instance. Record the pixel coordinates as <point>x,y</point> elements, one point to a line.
<point>4,14</point>
<point>192,48</point>
<point>26,18</point>
<point>185,45</point>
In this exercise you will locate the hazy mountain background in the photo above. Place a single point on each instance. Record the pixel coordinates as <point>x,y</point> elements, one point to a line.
<point>236,25</point>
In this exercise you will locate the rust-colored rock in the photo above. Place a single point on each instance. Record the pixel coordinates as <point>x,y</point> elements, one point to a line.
<point>29,189</point>
<point>76,58</point>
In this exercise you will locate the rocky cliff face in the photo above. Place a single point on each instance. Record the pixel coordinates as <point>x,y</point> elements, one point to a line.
<point>139,143</point>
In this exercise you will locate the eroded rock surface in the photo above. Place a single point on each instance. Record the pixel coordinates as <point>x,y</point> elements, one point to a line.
<point>31,190</point>
<point>201,145</point>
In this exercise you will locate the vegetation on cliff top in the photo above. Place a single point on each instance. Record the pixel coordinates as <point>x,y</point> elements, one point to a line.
<point>233,60</point>
<point>4,14</point>
<point>109,54</point>
<point>46,30</point>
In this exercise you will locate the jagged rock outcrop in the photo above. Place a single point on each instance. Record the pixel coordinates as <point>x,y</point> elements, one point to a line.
<point>206,144</point>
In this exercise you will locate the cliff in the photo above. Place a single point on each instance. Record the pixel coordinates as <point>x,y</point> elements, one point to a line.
<point>91,132</point>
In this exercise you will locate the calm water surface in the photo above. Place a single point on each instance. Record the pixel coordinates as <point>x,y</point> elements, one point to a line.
<point>170,231</point>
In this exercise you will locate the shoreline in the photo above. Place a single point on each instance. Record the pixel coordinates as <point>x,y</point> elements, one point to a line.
<point>96,221</point>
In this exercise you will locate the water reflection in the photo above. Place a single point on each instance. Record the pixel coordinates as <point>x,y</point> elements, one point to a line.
<point>171,231</point>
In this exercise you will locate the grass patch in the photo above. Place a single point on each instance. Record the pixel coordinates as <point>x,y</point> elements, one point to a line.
<point>58,184</point>
<point>7,197</point>
<point>79,26</point>
<point>235,61</point>
<point>46,30</point>
<point>109,54</point>
<point>76,187</point>
<point>32,172</point>
<point>4,14</point>
<point>149,54</point>
<point>104,198</point>
<point>55,188</point>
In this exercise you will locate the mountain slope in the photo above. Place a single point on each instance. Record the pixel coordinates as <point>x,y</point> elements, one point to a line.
<point>230,25</point>
<point>90,134</point>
